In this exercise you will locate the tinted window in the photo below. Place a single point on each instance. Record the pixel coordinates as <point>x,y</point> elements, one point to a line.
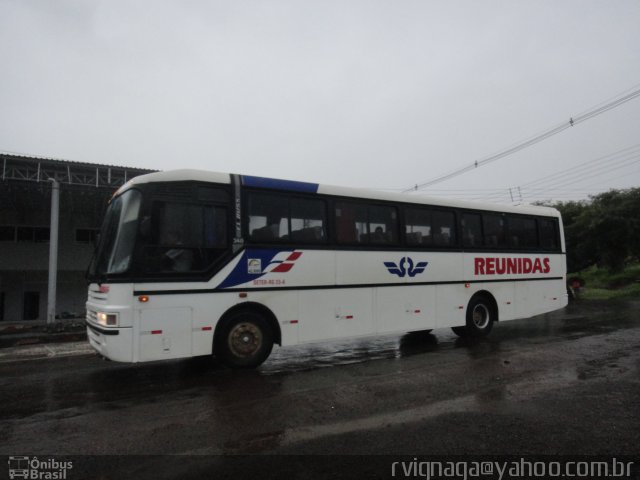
<point>280,218</point>
<point>383,225</point>
<point>308,219</point>
<point>523,233</point>
<point>366,224</point>
<point>351,222</point>
<point>494,230</point>
<point>418,227</point>
<point>548,234</point>
<point>184,237</point>
<point>429,228</point>
<point>471,230</point>
<point>268,218</point>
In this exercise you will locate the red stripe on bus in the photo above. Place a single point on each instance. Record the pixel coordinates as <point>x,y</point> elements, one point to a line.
<point>283,267</point>
<point>294,256</point>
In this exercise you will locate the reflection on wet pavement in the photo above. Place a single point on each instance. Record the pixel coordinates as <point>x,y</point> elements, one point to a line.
<point>574,321</point>
<point>309,393</point>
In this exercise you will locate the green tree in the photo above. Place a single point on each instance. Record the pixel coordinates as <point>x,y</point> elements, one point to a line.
<point>603,231</point>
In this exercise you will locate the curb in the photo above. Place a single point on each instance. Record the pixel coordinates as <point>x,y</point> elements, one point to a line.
<point>8,340</point>
<point>45,351</point>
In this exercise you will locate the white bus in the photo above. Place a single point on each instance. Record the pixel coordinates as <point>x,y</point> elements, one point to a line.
<point>196,263</point>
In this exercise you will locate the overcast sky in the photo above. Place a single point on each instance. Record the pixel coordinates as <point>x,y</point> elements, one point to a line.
<point>368,93</point>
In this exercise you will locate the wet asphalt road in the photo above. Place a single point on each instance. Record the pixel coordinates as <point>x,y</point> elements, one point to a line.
<point>562,383</point>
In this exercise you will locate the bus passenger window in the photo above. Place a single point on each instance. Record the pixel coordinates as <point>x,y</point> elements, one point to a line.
<point>418,227</point>
<point>444,229</point>
<point>351,223</point>
<point>523,233</point>
<point>184,237</point>
<point>383,225</point>
<point>308,218</point>
<point>366,224</point>
<point>471,230</point>
<point>494,230</point>
<point>548,233</point>
<point>268,218</point>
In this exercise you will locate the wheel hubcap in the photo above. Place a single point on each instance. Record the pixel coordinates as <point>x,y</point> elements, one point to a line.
<point>481,316</point>
<point>245,339</point>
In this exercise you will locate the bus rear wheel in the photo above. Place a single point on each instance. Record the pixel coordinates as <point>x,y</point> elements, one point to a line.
<point>480,317</point>
<point>245,340</point>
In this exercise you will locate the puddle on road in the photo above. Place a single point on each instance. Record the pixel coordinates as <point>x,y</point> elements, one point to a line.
<point>576,321</point>
<point>123,383</point>
<point>346,352</point>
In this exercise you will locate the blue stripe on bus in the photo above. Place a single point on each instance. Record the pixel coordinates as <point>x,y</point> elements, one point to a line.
<point>276,184</point>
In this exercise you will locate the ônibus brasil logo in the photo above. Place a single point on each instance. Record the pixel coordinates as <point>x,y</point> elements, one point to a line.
<point>406,267</point>
<point>38,469</point>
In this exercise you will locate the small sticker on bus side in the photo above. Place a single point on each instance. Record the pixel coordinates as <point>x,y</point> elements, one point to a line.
<point>254,266</point>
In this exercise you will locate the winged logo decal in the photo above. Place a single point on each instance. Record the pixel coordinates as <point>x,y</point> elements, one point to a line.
<point>405,267</point>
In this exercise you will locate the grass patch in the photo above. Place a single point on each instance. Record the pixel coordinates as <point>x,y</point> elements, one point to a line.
<point>600,284</point>
<point>594,293</point>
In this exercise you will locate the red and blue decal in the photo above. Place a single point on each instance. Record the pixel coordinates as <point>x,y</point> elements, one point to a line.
<point>254,264</point>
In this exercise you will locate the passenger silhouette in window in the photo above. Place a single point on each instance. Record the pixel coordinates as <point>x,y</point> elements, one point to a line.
<point>378,236</point>
<point>177,259</point>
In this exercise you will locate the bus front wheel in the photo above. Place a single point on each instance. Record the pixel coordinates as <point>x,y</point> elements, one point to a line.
<point>480,317</point>
<point>245,340</point>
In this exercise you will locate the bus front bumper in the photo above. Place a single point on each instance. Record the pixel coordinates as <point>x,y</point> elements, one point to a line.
<point>113,343</point>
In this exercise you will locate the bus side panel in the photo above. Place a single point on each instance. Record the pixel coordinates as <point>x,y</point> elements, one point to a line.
<point>331,313</point>
<point>528,299</point>
<point>535,298</point>
<point>405,309</point>
<point>361,268</point>
<point>451,304</point>
<point>284,305</point>
<point>165,333</point>
<point>505,296</point>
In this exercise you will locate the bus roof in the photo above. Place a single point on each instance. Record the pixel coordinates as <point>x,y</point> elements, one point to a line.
<point>363,193</point>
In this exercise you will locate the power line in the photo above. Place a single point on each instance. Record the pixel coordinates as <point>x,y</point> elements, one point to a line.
<point>587,115</point>
<point>558,182</point>
<point>589,175</point>
<point>584,170</point>
<point>611,157</point>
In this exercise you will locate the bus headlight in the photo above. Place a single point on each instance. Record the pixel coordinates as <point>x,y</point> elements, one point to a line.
<point>107,319</point>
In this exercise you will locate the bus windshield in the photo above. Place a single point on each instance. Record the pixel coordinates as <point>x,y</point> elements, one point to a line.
<point>118,235</point>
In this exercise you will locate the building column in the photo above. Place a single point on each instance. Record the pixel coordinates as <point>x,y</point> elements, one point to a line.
<point>53,251</point>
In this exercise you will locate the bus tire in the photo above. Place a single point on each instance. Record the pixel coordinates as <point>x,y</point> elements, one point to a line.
<point>245,340</point>
<point>481,314</point>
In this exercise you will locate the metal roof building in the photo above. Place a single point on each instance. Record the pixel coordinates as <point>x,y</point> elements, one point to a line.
<point>27,187</point>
